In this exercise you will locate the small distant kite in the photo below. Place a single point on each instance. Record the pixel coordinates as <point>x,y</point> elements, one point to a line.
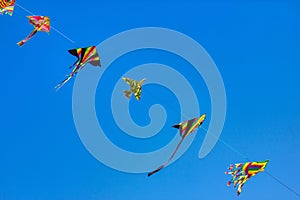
<point>135,87</point>
<point>243,171</point>
<point>40,23</point>
<point>84,56</point>
<point>7,7</point>
<point>185,129</point>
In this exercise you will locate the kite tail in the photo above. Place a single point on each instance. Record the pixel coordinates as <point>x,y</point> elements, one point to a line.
<point>162,166</point>
<point>22,42</point>
<point>7,10</point>
<point>77,63</point>
<point>62,83</point>
<point>239,189</point>
<point>241,186</point>
<point>153,172</point>
<point>127,93</point>
<point>59,86</point>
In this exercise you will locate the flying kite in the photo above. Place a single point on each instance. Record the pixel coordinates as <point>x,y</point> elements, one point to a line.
<point>185,129</point>
<point>84,56</point>
<point>40,23</point>
<point>243,171</point>
<point>135,87</point>
<point>7,6</point>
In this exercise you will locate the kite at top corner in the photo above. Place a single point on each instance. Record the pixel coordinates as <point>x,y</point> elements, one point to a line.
<point>185,129</point>
<point>241,173</point>
<point>84,56</point>
<point>7,7</point>
<point>40,23</point>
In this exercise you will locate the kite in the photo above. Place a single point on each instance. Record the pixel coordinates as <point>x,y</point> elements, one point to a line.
<point>243,171</point>
<point>7,6</point>
<point>40,23</point>
<point>135,87</point>
<point>84,56</point>
<point>185,129</point>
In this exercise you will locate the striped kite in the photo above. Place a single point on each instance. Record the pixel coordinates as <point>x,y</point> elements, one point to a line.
<point>84,56</point>
<point>243,171</point>
<point>40,23</point>
<point>185,129</point>
<point>135,87</point>
<point>7,6</point>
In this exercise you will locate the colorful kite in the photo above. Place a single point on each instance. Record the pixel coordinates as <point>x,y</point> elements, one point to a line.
<point>84,56</point>
<point>243,171</point>
<point>135,87</point>
<point>185,129</point>
<point>40,23</point>
<point>7,6</point>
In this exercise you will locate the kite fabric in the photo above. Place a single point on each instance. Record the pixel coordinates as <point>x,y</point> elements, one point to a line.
<point>40,23</point>
<point>84,56</point>
<point>7,7</point>
<point>243,171</point>
<point>135,88</point>
<point>185,128</point>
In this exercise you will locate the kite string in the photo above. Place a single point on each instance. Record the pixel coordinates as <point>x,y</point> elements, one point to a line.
<point>283,184</point>
<point>228,145</point>
<point>55,29</point>
<point>63,35</point>
<point>238,152</point>
<point>225,143</point>
<point>244,156</point>
<point>28,11</point>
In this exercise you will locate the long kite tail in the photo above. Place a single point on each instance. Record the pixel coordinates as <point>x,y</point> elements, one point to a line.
<point>22,42</point>
<point>59,86</point>
<point>239,189</point>
<point>153,172</point>
<point>62,83</point>
<point>166,163</point>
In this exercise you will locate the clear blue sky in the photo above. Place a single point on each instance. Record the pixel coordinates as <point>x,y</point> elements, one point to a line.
<point>255,45</point>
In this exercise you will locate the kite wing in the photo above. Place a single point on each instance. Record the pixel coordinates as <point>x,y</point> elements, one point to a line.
<point>183,127</point>
<point>138,89</point>
<point>243,171</point>
<point>40,23</point>
<point>84,56</point>
<point>7,7</point>
<point>189,126</point>
<point>138,92</point>
<point>141,82</point>
<point>128,80</point>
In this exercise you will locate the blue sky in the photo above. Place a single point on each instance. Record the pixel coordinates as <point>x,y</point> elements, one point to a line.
<point>255,46</point>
